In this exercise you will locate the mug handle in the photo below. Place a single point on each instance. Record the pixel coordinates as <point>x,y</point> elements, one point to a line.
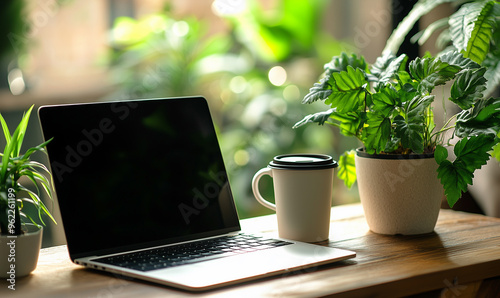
<point>255,187</point>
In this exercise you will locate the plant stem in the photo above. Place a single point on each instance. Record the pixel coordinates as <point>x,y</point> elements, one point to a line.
<point>444,129</point>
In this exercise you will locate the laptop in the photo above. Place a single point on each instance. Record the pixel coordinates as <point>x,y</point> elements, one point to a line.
<point>140,182</point>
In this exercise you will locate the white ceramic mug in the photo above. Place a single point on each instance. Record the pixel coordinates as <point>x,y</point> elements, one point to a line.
<point>303,186</point>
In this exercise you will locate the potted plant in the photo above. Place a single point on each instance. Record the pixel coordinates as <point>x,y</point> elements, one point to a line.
<point>387,106</point>
<point>20,234</point>
<point>473,29</point>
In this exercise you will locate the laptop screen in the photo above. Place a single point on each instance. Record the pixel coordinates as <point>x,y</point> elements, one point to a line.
<point>133,174</point>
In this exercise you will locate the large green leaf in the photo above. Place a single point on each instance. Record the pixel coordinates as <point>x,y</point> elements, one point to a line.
<point>486,110</point>
<point>468,87</point>
<point>492,63</point>
<point>319,118</point>
<point>410,131</point>
<point>387,66</point>
<point>483,118</point>
<point>431,72</point>
<point>416,106</point>
<point>347,168</point>
<point>462,23</point>
<point>456,58</point>
<point>349,90</point>
<point>471,154</point>
<point>410,128</point>
<point>340,63</point>
<point>440,154</point>
<point>319,91</point>
<point>377,132</point>
<point>349,123</point>
<point>471,29</point>
<point>323,88</point>
<point>386,100</point>
<point>454,179</point>
<point>350,79</point>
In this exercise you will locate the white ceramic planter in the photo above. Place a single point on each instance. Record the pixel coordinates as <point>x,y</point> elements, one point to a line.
<point>21,251</point>
<point>399,195</point>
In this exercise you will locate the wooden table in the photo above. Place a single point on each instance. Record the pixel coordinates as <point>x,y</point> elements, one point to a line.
<point>461,259</point>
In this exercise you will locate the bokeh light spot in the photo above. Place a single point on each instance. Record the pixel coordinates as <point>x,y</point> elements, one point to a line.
<point>277,75</point>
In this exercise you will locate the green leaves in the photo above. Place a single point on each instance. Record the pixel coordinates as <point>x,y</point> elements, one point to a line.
<point>458,59</point>
<point>431,72</point>
<point>440,154</point>
<point>420,9</point>
<point>323,89</point>
<point>483,118</point>
<point>469,83</point>
<point>389,110</point>
<point>410,133</point>
<point>386,100</point>
<point>411,127</point>
<point>468,86</point>
<point>14,143</point>
<point>347,168</point>
<point>319,118</point>
<point>471,153</point>
<point>319,91</point>
<point>396,115</point>
<point>348,123</point>
<point>454,180</point>
<point>14,166</point>
<point>386,67</point>
<point>340,63</point>
<point>471,29</point>
<point>348,90</point>
<point>376,133</point>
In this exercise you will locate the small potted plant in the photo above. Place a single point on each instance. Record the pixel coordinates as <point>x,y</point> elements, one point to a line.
<point>20,234</point>
<point>403,165</point>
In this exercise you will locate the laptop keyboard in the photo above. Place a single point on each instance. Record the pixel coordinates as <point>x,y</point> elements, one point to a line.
<point>192,252</point>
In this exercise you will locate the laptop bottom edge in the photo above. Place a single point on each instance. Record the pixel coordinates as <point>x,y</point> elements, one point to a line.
<point>213,274</point>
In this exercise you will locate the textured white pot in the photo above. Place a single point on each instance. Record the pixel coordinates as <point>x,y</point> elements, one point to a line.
<point>399,195</point>
<point>21,252</point>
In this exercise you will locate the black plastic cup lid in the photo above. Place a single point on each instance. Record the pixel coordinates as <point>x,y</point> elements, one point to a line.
<point>303,162</point>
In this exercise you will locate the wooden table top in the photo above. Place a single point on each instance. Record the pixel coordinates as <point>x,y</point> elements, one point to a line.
<point>460,258</point>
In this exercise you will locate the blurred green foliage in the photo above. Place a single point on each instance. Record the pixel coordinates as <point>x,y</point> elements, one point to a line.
<point>164,56</point>
<point>12,27</point>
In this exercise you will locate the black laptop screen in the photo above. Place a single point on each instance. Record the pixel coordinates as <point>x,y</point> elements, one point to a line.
<point>136,173</point>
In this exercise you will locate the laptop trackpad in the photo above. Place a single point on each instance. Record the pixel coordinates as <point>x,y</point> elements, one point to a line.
<point>248,266</point>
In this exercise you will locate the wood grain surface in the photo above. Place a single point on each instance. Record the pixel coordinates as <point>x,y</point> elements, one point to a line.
<point>460,259</point>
